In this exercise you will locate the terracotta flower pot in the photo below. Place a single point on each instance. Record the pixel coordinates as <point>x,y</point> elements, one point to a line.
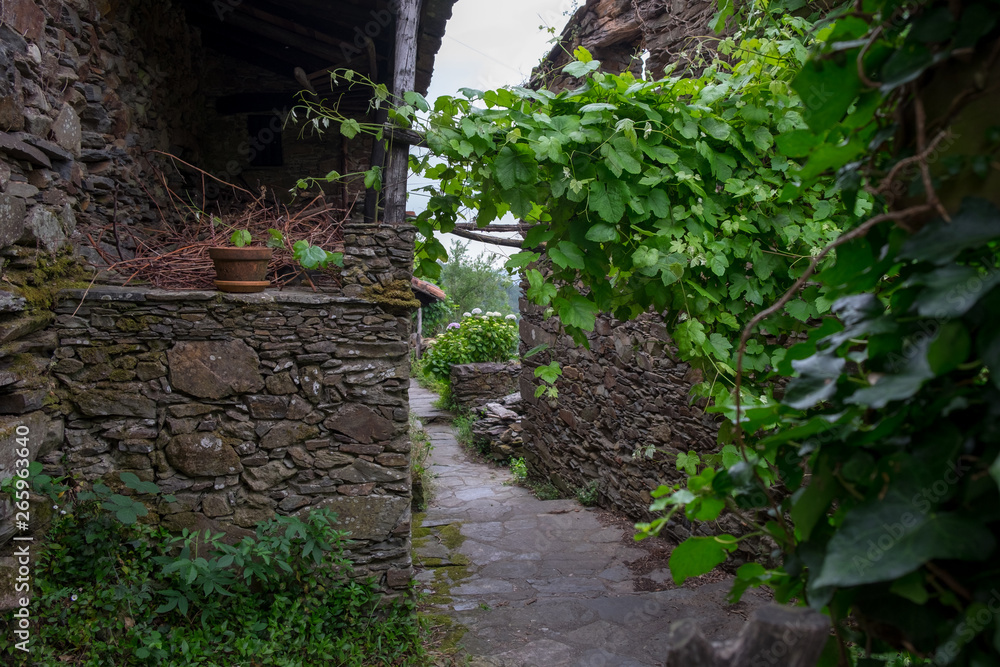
<point>241,269</point>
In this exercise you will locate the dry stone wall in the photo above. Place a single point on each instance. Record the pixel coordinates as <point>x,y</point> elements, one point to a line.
<point>474,385</point>
<point>241,406</point>
<point>617,398</point>
<point>87,90</point>
<point>618,32</point>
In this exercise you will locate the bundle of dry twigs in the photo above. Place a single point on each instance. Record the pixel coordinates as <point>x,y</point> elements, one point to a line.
<point>175,254</point>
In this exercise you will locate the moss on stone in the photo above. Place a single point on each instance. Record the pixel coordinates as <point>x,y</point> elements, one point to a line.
<point>451,536</point>
<point>52,273</point>
<point>135,325</point>
<point>450,632</point>
<point>121,375</point>
<point>417,530</point>
<point>394,297</point>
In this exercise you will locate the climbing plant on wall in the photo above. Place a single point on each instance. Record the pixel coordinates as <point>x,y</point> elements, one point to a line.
<point>835,175</point>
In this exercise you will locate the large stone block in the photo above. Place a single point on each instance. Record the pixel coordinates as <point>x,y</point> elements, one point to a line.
<point>267,476</point>
<point>67,130</point>
<point>48,227</point>
<point>288,433</point>
<point>360,423</point>
<point>367,517</point>
<point>106,402</point>
<point>203,455</point>
<point>214,369</point>
<point>12,214</point>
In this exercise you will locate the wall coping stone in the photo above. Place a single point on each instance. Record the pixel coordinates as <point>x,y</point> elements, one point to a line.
<point>144,294</point>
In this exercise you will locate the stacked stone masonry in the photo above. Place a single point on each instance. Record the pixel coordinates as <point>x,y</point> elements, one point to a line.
<point>242,407</point>
<point>93,94</point>
<point>623,395</point>
<point>474,385</point>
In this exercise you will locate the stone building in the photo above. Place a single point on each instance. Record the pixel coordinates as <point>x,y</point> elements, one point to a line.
<point>241,406</point>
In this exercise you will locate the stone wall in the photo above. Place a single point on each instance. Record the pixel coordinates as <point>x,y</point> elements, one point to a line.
<point>88,90</point>
<point>474,385</point>
<point>617,32</point>
<point>617,398</point>
<point>241,406</point>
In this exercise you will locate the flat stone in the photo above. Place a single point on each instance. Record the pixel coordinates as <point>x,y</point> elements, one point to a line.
<point>47,227</point>
<point>267,476</point>
<point>67,131</point>
<point>267,407</point>
<point>288,433</point>
<point>12,214</point>
<point>25,16</point>
<point>214,369</point>
<point>360,423</point>
<point>105,402</point>
<point>281,384</point>
<point>11,303</point>
<point>327,459</point>
<point>214,505</point>
<point>367,517</point>
<point>203,455</point>
<point>20,150</point>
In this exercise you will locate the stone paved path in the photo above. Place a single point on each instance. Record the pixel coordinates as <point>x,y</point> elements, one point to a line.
<point>543,583</point>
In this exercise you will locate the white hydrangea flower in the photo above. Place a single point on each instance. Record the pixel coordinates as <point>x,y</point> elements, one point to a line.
<point>511,317</point>
<point>466,314</point>
<point>477,311</point>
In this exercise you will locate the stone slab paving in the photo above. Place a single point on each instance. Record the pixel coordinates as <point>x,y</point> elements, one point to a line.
<point>544,583</point>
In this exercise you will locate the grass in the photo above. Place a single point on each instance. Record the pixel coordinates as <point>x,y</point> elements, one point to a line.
<point>420,451</point>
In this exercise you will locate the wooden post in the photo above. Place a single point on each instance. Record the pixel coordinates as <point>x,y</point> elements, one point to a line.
<point>404,75</point>
<point>776,635</point>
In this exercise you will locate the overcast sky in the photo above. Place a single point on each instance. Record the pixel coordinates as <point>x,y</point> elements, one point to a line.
<point>488,45</point>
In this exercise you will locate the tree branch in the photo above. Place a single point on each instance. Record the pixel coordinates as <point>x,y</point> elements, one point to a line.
<point>483,238</point>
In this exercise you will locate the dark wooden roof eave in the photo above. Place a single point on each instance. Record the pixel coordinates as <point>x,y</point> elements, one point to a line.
<point>317,35</point>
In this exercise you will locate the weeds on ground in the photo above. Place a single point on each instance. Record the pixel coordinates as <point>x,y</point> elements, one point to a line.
<point>542,489</point>
<point>420,451</point>
<point>463,423</point>
<point>519,469</point>
<point>588,494</point>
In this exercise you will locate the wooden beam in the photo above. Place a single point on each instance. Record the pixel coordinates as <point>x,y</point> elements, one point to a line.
<point>404,74</point>
<point>290,26</point>
<point>325,50</point>
<point>483,238</point>
<point>473,227</point>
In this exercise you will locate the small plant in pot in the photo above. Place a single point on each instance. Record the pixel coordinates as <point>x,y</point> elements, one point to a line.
<point>242,267</point>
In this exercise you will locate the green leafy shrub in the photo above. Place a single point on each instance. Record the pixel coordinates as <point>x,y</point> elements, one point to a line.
<point>588,494</point>
<point>477,339</point>
<point>519,469</point>
<point>110,590</point>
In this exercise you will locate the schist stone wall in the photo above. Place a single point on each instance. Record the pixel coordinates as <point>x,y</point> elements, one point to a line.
<point>623,394</point>
<point>94,92</point>
<point>474,385</point>
<point>618,32</point>
<point>241,406</point>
